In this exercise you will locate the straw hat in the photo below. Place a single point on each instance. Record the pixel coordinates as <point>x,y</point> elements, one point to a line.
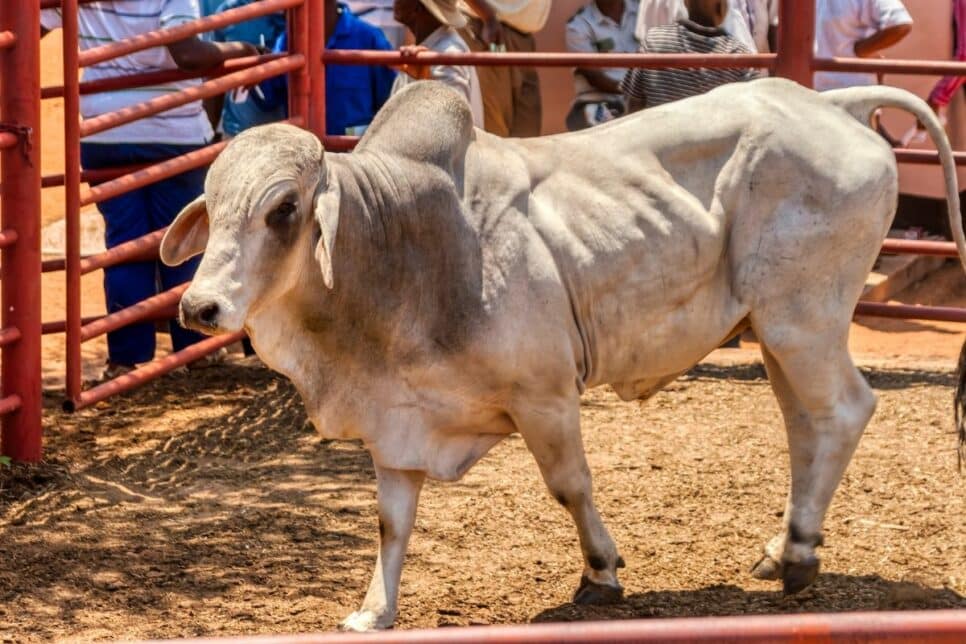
<point>528,16</point>
<point>446,12</point>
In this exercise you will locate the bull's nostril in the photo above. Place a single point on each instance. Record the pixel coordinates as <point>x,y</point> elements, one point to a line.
<point>208,314</point>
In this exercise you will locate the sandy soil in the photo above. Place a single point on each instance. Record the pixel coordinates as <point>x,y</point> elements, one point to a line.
<point>205,505</point>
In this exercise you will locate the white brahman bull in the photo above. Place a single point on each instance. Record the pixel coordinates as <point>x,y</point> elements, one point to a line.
<point>440,288</point>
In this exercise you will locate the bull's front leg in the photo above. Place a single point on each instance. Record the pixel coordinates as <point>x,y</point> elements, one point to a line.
<point>397,493</point>
<point>553,436</point>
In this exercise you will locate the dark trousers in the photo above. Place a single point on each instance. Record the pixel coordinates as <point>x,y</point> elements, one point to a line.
<point>130,216</point>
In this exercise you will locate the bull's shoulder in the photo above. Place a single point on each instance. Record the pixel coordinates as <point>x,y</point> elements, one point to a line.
<point>426,121</point>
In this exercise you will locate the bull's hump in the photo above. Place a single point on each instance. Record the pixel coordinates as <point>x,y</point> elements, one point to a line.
<point>426,121</point>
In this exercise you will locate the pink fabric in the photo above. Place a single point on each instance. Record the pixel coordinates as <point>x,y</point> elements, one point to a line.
<point>946,88</point>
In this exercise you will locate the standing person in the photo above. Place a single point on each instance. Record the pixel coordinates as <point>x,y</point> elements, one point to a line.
<point>701,33</point>
<point>378,13</point>
<point>659,13</point>
<point>942,94</point>
<point>511,95</point>
<point>761,17</point>
<point>434,25</point>
<point>607,27</point>
<point>863,28</point>
<point>237,110</point>
<point>353,93</point>
<point>148,140</point>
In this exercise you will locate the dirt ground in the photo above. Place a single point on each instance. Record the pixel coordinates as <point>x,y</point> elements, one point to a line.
<point>204,504</point>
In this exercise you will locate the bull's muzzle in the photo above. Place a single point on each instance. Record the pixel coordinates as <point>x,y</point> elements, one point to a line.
<point>200,314</point>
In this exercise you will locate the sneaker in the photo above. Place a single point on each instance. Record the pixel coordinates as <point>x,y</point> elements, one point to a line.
<point>111,371</point>
<point>210,360</point>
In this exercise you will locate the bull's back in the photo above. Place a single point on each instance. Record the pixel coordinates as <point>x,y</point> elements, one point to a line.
<point>657,221</point>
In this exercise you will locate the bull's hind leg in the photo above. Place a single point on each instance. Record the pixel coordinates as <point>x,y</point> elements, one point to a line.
<point>826,405</point>
<point>552,434</point>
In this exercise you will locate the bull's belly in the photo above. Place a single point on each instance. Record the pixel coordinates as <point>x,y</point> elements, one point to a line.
<point>638,350</point>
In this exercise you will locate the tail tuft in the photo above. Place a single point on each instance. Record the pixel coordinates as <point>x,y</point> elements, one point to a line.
<point>959,409</point>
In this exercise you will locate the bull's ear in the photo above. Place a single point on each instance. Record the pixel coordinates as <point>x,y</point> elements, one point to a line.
<point>187,236</point>
<point>327,198</point>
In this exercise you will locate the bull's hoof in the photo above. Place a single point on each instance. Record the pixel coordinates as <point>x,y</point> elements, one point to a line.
<point>593,594</point>
<point>767,569</point>
<point>365,621</point>
<point>797,576</point>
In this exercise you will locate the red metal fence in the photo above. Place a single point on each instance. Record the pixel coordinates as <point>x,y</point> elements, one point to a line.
<point>305,65</point>
<point>20,401</point>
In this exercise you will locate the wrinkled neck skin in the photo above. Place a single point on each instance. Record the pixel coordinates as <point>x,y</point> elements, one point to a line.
<point>355,352</point>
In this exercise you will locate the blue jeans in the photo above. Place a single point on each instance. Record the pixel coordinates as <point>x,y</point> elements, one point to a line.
<point>130,216</point>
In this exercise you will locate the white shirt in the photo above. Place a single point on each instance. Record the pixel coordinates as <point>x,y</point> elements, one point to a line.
<point>100,23</point>
<point>842,23</point>
<point>590,31</point>
<point>461,78</point>
<point>657,13</point>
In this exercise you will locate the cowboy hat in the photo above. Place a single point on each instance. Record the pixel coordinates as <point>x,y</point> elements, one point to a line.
<point>446,12</point>
<point>528,16</point>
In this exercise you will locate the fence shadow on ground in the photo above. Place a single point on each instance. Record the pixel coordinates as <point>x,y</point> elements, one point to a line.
<point>831,593</point>
<point>180,492</point>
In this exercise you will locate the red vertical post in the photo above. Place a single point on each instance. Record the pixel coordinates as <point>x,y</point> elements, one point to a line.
<point>21,436</point>
<point>72,198</point>
<point>796,41</point>
<point>306,36</point>
<point>316,68</point>
<point>298,82</point>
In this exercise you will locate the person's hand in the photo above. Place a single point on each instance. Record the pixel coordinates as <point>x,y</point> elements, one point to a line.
<point>419,72</point>
<point>492,34</point>
<point>247,49</point>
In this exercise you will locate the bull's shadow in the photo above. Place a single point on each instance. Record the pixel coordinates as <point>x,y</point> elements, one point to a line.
<point>831,593</point>
<point>878,378</point>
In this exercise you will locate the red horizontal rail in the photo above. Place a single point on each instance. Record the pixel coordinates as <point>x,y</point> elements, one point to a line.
<point>207,89</point>
<point>882,66</point>
<point>7,39</point>
<point>920,627</point>
<point>152,174</point>
<point>920,247</point>
<point>926,157</point>
<point>165,303</point>
<point>8,238</point>
<point>9,335</point>
<point>10,404</point>
<point>911,312</point>
<point>88,176</point>
<point>150,371</point>
<point>167,36</point>
<point>56,4</point>
<point>8,140</point>
<point>61,325</point>
<point>132,81</point>
<point>548,59</point>
<point>141,249</point>
<point>339,143</point>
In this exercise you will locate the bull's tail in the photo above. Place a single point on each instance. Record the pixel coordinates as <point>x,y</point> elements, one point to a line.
<point>861,103</point>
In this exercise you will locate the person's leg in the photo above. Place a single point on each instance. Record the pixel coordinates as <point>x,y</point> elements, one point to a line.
<point>526,110</point>
<point>165,200</point>
<point>125,284</point>
<point>495,84</point>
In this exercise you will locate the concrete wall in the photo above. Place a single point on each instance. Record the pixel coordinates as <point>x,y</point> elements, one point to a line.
<point>931,39</point>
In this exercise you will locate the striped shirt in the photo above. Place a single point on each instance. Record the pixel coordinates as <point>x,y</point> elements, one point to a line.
<point>942,94</point>
<point>101,23</point>
<point>658,86</point>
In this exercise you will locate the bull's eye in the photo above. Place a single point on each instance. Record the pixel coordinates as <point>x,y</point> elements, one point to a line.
<point>281,215</point>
